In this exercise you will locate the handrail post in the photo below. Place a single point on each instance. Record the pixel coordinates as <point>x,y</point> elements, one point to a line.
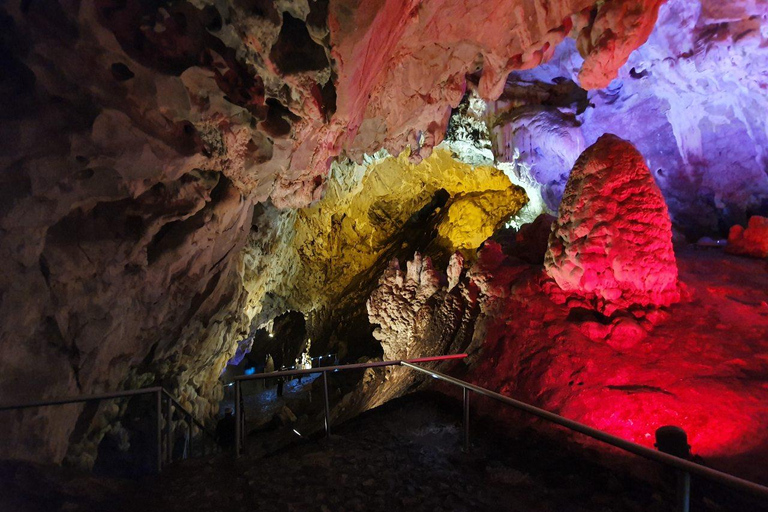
<point>159,429</point>
<point>683,491</point>
<point>168,430</point>
<point>238,414</point>
<point>188,443</point>
<point>327,405</point>
<point>466,420</point>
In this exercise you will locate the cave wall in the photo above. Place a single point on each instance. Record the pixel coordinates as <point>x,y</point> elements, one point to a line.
<point>331,253</point>
<point>690,99</point>
<point>615,330</point>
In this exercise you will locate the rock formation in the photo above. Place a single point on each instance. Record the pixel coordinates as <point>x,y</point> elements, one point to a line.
<point>418,313</point>
<point>690,99</point>
<point>611,246</point>
<point>752,241</point>
<point>693,366</point>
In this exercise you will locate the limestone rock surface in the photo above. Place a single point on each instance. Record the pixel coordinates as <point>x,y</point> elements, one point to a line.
<point>690,99</point>
<point>611,246</point>
<point>421,311</point>
<point>752,241</point>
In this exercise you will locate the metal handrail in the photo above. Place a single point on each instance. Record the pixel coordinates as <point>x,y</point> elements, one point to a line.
<point>355,366</point>
<point>189,414</point>
<point>156,390</point>
<point>240,417</point>
<point>678,463</point>
<point>685,467</point>
<point>79,399</point>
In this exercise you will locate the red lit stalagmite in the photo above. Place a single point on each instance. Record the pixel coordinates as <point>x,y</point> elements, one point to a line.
<point>611,246</point>
<point>600,337</point>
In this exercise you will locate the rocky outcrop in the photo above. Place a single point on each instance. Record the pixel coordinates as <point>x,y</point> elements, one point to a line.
<point>395,304</point>
<point>689,99</point>
<point>752,241</point>
<point>611,246</point>
<point>694,365</point>
<point>617,29</point>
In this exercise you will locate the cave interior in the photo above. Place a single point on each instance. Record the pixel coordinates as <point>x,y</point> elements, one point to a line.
<point>572,193</point>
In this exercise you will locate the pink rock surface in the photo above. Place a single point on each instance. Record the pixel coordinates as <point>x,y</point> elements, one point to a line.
<point>752,241</point>
<point>699,365</point>
<point>611,246</point>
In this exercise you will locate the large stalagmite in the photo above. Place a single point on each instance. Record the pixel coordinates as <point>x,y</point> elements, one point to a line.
<point>611,246</point>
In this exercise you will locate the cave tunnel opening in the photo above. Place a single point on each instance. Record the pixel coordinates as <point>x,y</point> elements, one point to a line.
<point>282,341</point>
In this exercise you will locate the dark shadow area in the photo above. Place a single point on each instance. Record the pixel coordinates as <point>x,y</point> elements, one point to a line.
<point>403,456</point>
<point>295,51</point>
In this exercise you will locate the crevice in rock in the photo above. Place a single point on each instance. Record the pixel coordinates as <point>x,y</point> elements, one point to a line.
<point>279,119</point>
<point>295,52</point>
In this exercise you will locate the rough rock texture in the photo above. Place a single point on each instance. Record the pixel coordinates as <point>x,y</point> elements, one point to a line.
<point>611,246</point>
<point>700,366</point>
<point>618,28</point>
<point>752,241</point>
<point>394,305</point>
<point>134,102</point>
<point>690,99</point>
<point>416,314</point>
<point>138,136</point>
<point>329,256</point>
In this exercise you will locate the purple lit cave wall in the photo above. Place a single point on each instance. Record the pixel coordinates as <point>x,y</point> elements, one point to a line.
<point>692,99</point>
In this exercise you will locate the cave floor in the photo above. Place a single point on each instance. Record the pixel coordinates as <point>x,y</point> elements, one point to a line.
<point>403,456</point>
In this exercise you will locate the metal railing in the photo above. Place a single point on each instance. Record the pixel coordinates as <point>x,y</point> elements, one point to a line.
<point>164,437</point>
<point>684,467</point>
<point>324,370</point>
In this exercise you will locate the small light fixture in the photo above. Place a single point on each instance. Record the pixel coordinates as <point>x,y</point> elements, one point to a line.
<point>674,441</point>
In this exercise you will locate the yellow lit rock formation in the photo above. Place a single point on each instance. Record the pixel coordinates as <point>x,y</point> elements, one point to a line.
<point>341,238</point>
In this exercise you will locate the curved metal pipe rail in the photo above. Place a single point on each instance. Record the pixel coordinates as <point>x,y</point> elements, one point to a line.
<point>324,370</point>
<point>686,467</point>
<point>164,456</point>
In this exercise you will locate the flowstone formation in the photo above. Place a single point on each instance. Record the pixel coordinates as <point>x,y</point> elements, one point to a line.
<point>594,342</point>
<point>611,246</point>
<point>332,253</point>
<point>420,312</point>
<point>752,241</point>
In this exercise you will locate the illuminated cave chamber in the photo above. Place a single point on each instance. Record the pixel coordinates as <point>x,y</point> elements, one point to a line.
<point>220,183</point>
